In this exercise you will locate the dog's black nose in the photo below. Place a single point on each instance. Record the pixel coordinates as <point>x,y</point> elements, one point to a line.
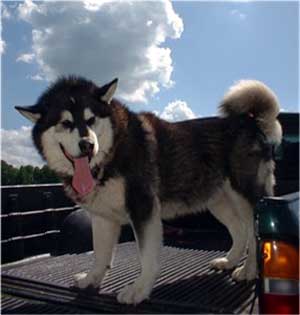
<point>86,146</point>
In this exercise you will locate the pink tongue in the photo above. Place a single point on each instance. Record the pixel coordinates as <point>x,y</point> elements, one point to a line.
<point>83,181</point>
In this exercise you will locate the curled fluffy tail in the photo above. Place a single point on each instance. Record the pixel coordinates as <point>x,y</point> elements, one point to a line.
<point>258,101</point>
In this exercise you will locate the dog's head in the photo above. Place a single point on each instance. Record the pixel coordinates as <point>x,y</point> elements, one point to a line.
<point>73,124</point>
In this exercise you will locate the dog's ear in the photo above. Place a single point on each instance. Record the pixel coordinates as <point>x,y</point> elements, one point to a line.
<point>107,91</point>
<point>33,113</point>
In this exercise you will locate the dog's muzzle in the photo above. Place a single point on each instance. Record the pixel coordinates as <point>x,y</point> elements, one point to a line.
<point>86,147</point>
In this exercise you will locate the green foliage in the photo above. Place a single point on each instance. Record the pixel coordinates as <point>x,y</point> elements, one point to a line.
<point>26,175</point>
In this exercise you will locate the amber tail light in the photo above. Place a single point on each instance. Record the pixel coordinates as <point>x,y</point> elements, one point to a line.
<point>280,278</point>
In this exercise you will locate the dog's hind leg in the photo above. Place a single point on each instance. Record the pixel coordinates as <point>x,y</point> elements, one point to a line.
<point>248,270</point>
<point>224,209</point>
<point>105,235</point>
<point>148,234</point>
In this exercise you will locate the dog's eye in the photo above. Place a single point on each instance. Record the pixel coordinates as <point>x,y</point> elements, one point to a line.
<point>90,121</point>
<point>67,124</point>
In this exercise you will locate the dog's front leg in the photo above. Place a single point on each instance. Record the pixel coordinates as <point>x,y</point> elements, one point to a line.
<point>105,235</point>
<point>148,235</point>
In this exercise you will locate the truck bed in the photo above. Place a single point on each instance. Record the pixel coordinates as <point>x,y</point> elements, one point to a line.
<point>186,285</point>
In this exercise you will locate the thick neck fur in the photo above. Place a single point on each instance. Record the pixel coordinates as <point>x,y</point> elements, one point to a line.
<point>130,143</point>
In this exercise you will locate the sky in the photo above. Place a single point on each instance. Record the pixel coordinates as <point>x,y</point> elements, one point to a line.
<point>176,59</point>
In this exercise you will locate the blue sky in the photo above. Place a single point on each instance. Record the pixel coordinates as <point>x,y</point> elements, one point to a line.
<point>220,43</point>
<point>224,42</point>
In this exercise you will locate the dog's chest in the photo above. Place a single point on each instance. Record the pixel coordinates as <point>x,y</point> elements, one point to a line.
<point>107,200</point>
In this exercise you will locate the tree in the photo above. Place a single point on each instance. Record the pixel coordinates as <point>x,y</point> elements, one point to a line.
<point>47,175</point>
<point>26,175</point>
<point>8,174</point>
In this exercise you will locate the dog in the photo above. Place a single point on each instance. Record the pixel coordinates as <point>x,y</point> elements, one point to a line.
<point>126,167</point>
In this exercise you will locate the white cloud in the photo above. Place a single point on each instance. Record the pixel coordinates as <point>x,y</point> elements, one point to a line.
<point>27,58</point>
<point>5,13</point>
<point>94,5</point>
<point>36,77</point>
<point>239,14</point>
<point>27,8</point>
<point>177,111</point>
<point>102,40</point>
<point>17,147</point>
<point>2,46</point>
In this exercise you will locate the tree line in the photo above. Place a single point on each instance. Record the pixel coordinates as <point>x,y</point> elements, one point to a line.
<point>26,175</point>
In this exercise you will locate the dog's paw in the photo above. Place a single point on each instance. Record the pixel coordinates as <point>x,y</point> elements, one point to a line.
<point>134,293</point>
<point>87,280</point>
<point>81,280</point>
<point>221,263</point>
<point>242,273</point>
<point>239,274</point>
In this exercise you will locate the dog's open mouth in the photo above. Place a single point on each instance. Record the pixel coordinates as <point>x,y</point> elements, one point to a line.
<point>71,158</point>
<point>82,181</point>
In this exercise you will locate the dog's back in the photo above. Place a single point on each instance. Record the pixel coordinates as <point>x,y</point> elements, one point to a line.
<point>196,157</point>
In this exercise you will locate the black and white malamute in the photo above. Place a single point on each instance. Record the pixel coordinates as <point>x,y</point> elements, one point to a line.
<point>126,167</point>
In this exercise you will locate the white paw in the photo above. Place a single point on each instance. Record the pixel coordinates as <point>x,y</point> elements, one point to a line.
<point>81,280</point>
<point>239,274</point>
<point>84,280</point>
<point>243,273</point>
<point>134,293</point>
<point>221,263</point>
